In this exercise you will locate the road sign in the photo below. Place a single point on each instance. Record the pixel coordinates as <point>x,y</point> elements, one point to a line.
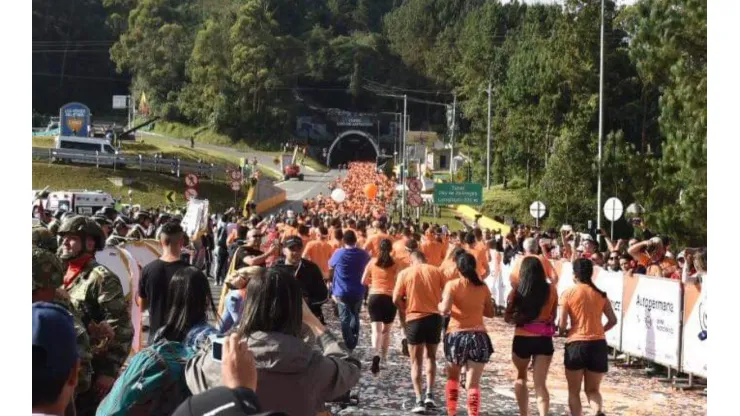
<point>191,180</point>
<point>458,193</point>
<point>191,193</point>
<point>236,185</point>
<point>414,185</point>
<point>169,196</point>
<point>613,209</point>
<point>236,175</point>
<point>120,102</point>
<point>415,200</point>
<point>537,210</point>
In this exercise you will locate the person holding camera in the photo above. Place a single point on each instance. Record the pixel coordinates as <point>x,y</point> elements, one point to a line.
<point>652,253</point>
<point>285,363</point>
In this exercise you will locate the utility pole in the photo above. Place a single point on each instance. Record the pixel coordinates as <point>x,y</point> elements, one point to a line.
<point>488,141</point>
<point>452,137</point>
<point>601,119</point>
<point>404,170</point>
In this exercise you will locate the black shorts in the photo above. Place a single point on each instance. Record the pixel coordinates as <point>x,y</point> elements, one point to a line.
<point>427,330</point>
<point>463,346</point>
<point>587,355</point>
<point>526,347</point>
<point>381,309</point>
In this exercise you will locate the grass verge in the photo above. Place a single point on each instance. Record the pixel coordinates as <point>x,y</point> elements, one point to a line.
<point>148,188</point>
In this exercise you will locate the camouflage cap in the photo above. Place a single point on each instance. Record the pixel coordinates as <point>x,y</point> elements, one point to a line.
<point>47,270</point>
<point>41,237</point>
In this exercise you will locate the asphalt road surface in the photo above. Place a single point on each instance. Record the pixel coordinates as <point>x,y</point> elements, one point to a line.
<point>312,185</point>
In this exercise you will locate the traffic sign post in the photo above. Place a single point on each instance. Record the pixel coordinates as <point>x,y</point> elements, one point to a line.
<point>191,180</point>
<point>169,197</point>
<point>613,210</point>
<point>191,193</point>
<point>537,210</point>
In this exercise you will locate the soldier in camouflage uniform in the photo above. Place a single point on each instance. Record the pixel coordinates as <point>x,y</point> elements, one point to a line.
<point>120,230</point>
<point>43,238</point>
<point>47,274</point>
<point>97,293</point>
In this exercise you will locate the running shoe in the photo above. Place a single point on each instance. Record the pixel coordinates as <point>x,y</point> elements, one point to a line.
<point>375,369</point>
<point>405,347</point>
<point>429,401</point>
<point>419,408</point>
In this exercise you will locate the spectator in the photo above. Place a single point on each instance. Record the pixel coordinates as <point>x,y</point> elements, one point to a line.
<point>533,311</point>
<point>271,325</point>
<point>597,258</point>
<point>155,277</point>
<point>585,348</point>
<point>466,343</point>
<point>234,300</point>
<point>613,263</point>
<point>380,276</point>
<point>55,362</point>
<point>307,273</point>
<point>626,263</point>
<point>346,267</point>
<point>652,255</point>
<point>187,310</point>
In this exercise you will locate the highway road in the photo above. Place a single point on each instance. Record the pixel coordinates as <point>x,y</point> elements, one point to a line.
<point>312,185</point>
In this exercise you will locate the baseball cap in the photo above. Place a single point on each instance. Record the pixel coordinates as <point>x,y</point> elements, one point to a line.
<point>54,341</point>
<point>46,269</point>
<point>293,241</point>
<point>222,401</point>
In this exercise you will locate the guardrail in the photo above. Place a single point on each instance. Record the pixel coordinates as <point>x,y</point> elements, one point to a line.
<point>154,163</point>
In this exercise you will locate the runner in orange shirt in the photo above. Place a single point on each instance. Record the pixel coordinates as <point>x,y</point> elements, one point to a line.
<point>481,258</point>
<point>530,250</point>
<point>586,351</point>
<point>320,251</point>
<point>433,248</point>
<point>466,300</point>
<point>372,245</point>
<point>418,291</point>
<point>532,307</point>
<point>380,275</point>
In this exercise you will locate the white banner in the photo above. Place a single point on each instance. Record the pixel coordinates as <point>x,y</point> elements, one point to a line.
<point>613,284</point>
<point>196,218</point>
<point>651,326</point>
<point>695,348</point>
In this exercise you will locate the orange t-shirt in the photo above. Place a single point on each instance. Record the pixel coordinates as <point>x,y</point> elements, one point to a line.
<point>434,251</point>
<point>449,270</point>
<point>381,281</point>
<point>584,307</point>
<point>549,270</point>
<point>469,304</point>
<point>481,262</point>
<point>547,313</point>
<point>335,244</point>
<point>372,246</point>
<point>422,286</point>
<point>319,252</point>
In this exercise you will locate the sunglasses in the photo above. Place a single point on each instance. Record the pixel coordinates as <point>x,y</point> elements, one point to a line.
<point>613,258</point>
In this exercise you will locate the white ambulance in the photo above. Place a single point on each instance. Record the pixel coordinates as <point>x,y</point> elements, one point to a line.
<point>81,202</point>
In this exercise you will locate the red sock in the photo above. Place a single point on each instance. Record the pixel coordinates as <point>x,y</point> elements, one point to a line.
<point>473,401</point>
<point>451,394</point>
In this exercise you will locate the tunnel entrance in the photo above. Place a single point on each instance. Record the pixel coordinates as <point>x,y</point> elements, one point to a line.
<point>350,146</point>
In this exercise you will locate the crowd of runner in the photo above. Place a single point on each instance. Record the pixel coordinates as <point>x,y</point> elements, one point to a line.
<point>279,275</point>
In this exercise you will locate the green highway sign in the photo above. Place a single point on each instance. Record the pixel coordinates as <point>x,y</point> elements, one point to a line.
<point>458,193</point>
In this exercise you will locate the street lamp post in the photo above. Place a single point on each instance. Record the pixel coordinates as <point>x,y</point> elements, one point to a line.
<point>601,119</point>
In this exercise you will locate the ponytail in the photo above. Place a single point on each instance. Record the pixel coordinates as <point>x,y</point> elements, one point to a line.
<point>467,267</point>
<point>583,269</point>
<point>385,260</point>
